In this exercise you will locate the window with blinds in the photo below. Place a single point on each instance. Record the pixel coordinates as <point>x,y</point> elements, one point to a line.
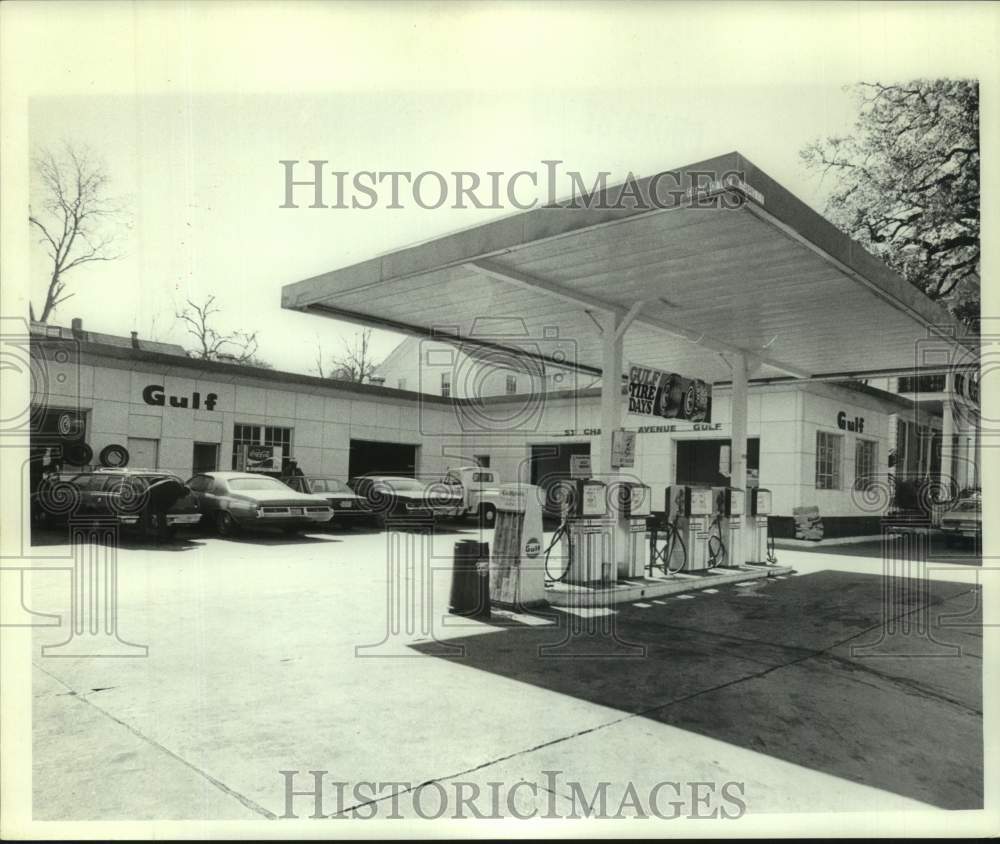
<point>865,464</point>
<point>828,451</point>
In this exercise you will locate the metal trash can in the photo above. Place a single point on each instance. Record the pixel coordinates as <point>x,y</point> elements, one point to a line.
<point>470,580</point>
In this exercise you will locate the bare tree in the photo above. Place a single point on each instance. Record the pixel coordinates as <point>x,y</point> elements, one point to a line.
<point>355,363</point>
<point>235,347</point>
<point>74,218</point>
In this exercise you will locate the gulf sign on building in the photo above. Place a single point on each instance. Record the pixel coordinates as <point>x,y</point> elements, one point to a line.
<point>654,392</point>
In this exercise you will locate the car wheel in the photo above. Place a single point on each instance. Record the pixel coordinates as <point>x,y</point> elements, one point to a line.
<point>225,524</point>
<point>291,531</point>
<point>166,533</point>
<point>487,516</point>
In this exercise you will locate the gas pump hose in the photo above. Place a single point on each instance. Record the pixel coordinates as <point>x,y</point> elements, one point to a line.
<point>673,537</point>
<point>561,531</point>
<point>721,552</point>
<point>772,558</point>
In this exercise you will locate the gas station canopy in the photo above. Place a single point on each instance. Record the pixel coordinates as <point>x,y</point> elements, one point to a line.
<point>715,259</point>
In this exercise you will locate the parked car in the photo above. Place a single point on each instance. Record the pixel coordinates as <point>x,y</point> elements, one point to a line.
<point>152,502</point>
<point>964,519</point>
<point>234,500</point>
<point>348,507</point>
<point>391,497</point>
<point>479,489</point>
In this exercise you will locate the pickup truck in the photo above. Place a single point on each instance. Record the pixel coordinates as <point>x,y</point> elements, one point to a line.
<point>480,491</point>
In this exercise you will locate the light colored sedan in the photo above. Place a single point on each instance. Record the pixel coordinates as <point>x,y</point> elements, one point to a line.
<point>964,520</point>
<point>234,500</point>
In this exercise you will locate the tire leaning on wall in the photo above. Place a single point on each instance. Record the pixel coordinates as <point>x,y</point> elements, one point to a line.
<point>114,456</point>
<point>77,454</point>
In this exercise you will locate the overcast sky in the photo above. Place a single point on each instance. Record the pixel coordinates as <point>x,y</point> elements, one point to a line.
<point>192,107</point>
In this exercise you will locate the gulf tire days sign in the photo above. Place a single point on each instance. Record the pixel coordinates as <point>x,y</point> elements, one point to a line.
<point>653,392</point>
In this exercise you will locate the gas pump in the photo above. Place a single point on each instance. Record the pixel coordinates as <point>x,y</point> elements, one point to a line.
<point>588,537</point>
<point>728,507</point>
<point>685,521</point>
<point>635,502</point>
<point>760,547</point>
<point>517,575</point>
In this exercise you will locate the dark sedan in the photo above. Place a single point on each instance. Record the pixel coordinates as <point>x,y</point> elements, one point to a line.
<point>395,499</point>
<point>153,503</point>
<point>348,507</point>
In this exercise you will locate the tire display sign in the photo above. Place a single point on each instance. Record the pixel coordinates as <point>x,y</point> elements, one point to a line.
<point>655,392</point>
<point>580,467</point>
<point>622,449</point>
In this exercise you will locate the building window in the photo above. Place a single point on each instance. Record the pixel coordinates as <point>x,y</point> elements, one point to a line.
<point>401,384</point>
<point>482,460</point>
<point>261,435</point>
<point>511,385</point>
<point>828,450</point>
<point>864,464</point>
<point>445,384</point>
<point>922,383</point>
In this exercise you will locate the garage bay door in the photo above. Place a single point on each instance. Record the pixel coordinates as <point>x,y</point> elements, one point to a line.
<point>698,462</point>
<point>550,464</point>
<point>370,457</point>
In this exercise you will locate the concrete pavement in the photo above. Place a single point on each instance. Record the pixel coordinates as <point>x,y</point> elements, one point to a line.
<point>783,685</point>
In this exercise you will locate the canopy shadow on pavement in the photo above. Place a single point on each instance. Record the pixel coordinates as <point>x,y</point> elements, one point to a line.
<point>804,670</point>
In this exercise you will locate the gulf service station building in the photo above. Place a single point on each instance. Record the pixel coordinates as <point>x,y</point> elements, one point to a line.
<point>813,350</point>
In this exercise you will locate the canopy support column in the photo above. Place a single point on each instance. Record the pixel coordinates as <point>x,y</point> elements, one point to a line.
<point>738,449</point>
<point>947,477</point>
<point>613,328</point>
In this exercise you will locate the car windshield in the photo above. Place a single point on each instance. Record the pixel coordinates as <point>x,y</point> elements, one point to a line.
<point>326,485</point>
<point>246,484</point>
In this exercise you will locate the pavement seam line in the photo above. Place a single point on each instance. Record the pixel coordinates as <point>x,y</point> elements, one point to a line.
<point>495,761</point>
<point>241,798</point>
<point>642,713</point>
<point>907,684</point>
